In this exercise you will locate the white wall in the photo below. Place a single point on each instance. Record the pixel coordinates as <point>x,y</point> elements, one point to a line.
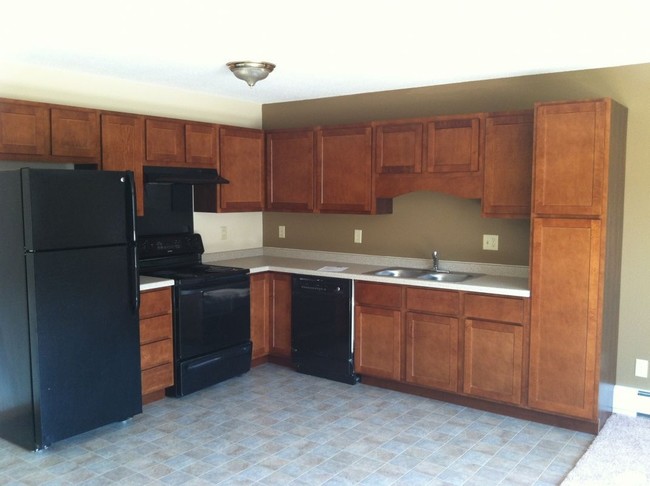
<point>33,83</point>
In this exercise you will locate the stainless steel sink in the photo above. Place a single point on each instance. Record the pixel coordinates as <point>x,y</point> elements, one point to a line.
<point>400,272</point>
<point>445,276</point>
<point>422,274</point>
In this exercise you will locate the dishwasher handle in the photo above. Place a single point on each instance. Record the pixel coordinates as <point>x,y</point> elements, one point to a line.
<point>316,285</point>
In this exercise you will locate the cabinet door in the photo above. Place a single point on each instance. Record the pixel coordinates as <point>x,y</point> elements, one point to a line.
<point>241,155</point>
<point>260,313</point>
<point>290,170</point>
<point>75,133</point>
<point>165,142</point>
<point>280,314</point>
<point>398,148</point>
<point>432,351</point>
<point>344,169</point>
<point>201,146</point>
<point>571,149</point>
<point>24,129</point>
<point>453,144</point>
<point>565,316</point>
<point>378,342</point>
<point>123,148</point>
<point>508,165</point>
<point>493,360</point>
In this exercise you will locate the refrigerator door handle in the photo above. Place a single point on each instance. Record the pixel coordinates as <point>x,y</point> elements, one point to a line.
<point>132,239</point>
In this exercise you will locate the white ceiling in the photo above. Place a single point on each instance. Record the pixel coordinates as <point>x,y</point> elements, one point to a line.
<point>325,48</point>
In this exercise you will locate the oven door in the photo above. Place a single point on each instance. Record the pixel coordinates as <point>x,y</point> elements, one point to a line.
<point>212,317</point>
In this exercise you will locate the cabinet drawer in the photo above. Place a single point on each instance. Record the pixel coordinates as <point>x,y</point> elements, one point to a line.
<point>155,328</point>
<point>155,303</point>
<point>157,378</point>
<point>157,353</point>
<point>435,301</point>
<point>494,308</point>
<point>383,295</point>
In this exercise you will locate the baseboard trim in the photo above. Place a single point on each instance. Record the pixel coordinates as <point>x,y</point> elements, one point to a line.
<point>631,401</point>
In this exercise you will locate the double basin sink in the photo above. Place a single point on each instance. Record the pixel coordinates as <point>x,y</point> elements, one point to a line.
<point>421,274</point>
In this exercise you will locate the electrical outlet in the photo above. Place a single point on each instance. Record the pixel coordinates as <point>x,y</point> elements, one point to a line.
<point>491,242</point>
<point>641,368</point>
<point>357,236</point>
<point>282,232</point>
<point>224,232</point>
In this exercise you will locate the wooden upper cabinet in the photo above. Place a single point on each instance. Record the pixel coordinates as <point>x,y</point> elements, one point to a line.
<point>241,160</point>
<point>38,131</point>
<point>508,165</point>
<point>453,143</point>
<point>201,145</point>
<point>165,142</point>
<point>75,133</point>
<point>290,157</point>
<point>24,129</point>
<point>398,147</point>
<point>344,169</point>
<point>179,143</point>
<point>123,148</point>
<point>566,316</point>
<point>571,150</point>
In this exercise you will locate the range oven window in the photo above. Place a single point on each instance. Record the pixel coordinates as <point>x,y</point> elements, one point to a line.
<point>213,317</point>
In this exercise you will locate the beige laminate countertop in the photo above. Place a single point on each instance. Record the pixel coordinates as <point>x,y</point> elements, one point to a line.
<point>508,285</point>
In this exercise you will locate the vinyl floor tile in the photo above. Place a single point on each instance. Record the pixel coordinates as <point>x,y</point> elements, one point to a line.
<point>273,426</point>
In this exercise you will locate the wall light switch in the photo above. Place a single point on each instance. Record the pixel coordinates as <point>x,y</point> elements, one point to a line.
<point>641,368</point>
<point>491,242</point>
<point>282,232</point>
<point>357,236</point>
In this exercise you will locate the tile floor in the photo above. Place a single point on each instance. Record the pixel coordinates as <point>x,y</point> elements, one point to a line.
<point>275,426</point>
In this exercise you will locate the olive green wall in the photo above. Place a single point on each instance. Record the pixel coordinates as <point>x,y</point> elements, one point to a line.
<point>421,222</point>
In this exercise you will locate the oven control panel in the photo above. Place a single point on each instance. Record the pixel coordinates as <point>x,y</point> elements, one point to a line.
<point>169,245</point>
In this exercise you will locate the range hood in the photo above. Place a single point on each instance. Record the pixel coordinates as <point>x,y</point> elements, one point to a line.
<point>182,175</point>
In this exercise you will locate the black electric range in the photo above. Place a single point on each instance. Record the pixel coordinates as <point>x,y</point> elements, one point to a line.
<point>211,311</point>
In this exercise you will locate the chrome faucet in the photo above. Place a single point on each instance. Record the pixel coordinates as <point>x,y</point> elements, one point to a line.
<point>434,256</point>
<point>436,263</point>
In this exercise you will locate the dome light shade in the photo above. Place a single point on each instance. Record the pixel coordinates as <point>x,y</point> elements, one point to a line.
<point>251,72</point>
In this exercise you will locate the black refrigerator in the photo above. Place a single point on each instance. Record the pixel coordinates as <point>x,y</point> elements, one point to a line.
<point>69,335</point>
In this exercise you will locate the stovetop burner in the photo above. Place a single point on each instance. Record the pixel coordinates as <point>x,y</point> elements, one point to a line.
<point>178,257</point>
<point>195,272</point>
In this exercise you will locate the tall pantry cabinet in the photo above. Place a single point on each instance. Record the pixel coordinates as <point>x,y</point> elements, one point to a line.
<point>577,214</point>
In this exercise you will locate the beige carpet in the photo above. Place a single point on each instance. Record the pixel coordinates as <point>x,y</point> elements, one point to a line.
<point>619,455</point>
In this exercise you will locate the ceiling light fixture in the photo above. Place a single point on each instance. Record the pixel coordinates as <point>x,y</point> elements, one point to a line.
<point>251,72</point>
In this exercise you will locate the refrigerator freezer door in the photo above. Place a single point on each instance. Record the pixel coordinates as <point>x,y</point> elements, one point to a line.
<point>84,337</point>
<point>76,209</point>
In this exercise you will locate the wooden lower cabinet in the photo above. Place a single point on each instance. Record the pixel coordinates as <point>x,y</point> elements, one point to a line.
<point>280,325</point>
<point>378,330</point>
<point>565,316</point>
<point>271,315</point>
<point>378,342</point>
<point>471,345</point>
<point>156,343</point>
<point>260,314</point>
<point>493,360</point>
<point>495,334</point>
<point>432,350</point>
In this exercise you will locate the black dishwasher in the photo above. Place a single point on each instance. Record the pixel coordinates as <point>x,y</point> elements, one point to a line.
<point>321,328</point>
